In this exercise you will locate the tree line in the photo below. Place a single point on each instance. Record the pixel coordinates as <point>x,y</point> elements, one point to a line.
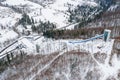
<point>76,33</point>
<point>43,27</point>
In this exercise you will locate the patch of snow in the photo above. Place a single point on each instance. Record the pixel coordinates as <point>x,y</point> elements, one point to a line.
<point>7,35</point>
<point>21,2</point>
<point>113,7</point>
<point>8,17</point>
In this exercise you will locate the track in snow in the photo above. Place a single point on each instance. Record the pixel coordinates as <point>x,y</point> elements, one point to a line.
<point>47,65</point>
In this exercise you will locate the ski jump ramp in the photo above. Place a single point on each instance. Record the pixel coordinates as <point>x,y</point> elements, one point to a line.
<point>105,36</point>
<point>90,39</point>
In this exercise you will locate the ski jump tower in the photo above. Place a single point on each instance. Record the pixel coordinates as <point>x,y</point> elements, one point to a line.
<point>106,35</point>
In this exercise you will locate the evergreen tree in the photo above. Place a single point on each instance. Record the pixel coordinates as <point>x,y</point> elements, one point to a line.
<point>33,28</point>
<point>37,48</point>
<point>32,20</point>
<point>25,20</point>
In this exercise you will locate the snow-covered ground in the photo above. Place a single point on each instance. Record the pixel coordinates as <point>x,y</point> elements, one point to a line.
<point>57,12</point>
<point>48,46</point>
<point>7,35</point>
<point>8,17</point>
<point>107,65</point>
<point>92,48</point>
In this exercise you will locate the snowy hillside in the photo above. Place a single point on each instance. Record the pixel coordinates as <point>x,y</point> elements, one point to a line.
<point>8,17</point>
<point>85,61</point>
<point>109,19</point>
<point>58,12</point>
<point>40,40</point>
<point>55,11</point>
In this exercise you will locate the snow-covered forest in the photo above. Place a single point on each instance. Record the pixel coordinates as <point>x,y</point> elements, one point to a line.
<point>59,40</point>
